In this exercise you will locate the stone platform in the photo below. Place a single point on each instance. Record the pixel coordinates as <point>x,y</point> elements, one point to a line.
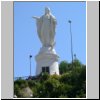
<point>47,57</point>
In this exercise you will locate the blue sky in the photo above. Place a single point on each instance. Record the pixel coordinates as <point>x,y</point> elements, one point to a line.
<point>26,40</point>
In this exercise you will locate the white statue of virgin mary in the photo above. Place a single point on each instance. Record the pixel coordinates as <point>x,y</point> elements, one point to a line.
<point>46,25</point>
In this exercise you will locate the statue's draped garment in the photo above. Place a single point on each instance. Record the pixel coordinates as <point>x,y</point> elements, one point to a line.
<point>46,29</point>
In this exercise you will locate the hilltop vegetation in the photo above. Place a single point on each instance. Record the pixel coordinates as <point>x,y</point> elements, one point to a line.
<point>71,83</point>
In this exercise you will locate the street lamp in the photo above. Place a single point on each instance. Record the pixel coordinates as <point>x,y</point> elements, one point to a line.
<point>75,57</point>
<point>30,63</point>
<point>69,21</point>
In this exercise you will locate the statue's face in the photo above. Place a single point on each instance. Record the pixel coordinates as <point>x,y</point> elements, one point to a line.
<point>47,10</point>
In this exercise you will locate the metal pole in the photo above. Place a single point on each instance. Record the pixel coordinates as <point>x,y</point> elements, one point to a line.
<point>75,57</point>
<point>30,64</point>
<point>71,42</point>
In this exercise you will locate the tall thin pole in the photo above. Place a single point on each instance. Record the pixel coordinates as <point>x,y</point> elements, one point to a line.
<point>30,64</point>
<point>71,42</point>
<point>75,57</point>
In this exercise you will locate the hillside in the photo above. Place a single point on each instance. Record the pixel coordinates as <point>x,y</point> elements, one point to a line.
<point>71,83</point>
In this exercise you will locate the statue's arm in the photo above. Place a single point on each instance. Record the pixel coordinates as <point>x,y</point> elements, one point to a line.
<point>35,17</point>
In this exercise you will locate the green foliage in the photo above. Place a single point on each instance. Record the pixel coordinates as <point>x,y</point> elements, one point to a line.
<point>65,78</point>
<point>17,90</point>
<point>55,76</point>
<point>77,63</point>
<point>63,96</point>
<point>44,76</point>
<point>31,83</point>
<point>63,67</point>
<point>21,83</point>
<point>70,84</point>
<point>51,83</point>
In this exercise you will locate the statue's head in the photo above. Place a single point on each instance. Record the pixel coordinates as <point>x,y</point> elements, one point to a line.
<point>47,10</point>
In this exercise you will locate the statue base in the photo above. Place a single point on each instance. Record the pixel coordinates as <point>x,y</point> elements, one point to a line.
<point>47,61</point>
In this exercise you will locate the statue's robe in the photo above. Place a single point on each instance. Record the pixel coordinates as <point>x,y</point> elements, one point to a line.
<point>46,29</point>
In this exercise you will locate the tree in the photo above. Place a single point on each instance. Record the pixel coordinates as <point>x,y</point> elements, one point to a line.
<point>77,63</point>
<point>44,76</point>
<point>63,67</point>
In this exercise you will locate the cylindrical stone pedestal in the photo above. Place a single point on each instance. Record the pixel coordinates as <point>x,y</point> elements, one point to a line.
<point>47,59</point>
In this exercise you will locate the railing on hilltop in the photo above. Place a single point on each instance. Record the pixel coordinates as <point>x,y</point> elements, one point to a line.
<point>25,78</point>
